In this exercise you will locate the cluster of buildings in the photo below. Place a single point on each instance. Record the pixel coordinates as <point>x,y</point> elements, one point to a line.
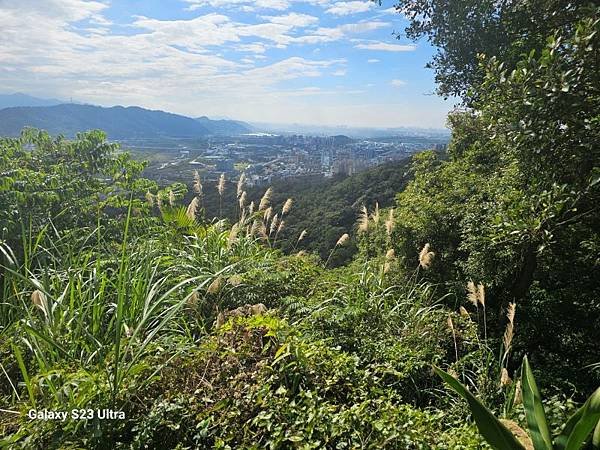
<point>265,157</point>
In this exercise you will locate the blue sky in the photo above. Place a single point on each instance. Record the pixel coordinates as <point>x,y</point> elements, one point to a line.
<point>326,62</point>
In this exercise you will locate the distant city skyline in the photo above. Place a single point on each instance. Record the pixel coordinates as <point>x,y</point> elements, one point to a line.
<point>324,62</point>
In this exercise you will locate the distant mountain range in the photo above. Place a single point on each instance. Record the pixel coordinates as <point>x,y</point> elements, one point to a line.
<point>119,122</point>
<point>19,99</point>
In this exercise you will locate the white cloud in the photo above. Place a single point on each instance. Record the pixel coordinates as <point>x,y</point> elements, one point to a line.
<point>294,20</point>
<point>398,83</point>
<point>352,7</point>
<point>340,32</point>
<point>189,66</point>
<point>384,46</point>
<point>372,61</point>
<point>339,73</point>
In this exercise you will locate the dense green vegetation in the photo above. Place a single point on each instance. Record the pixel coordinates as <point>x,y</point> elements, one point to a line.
<point>120,294</point>
<point>325,208</point>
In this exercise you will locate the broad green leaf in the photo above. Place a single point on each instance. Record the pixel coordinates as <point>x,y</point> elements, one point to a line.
<point>534,410</point>
<point>494,432</point>
<point>581,424</point>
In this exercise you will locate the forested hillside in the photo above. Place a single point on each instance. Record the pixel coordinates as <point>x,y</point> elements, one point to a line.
<point>323,208</point>
<point>469,317</point>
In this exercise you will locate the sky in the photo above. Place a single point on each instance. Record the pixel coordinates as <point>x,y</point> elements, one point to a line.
<point>325,62</point>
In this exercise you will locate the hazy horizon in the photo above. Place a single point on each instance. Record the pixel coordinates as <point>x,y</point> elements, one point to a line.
<point>306,62</point>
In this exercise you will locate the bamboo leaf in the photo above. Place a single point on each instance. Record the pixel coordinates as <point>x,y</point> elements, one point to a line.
<point>494,432</point>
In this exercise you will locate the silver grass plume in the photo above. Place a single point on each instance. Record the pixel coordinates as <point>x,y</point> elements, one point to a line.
<point>389,223</point>
<point>287,206</point>
<point>192,208</point>
<point>426,257</point>
<point>240,184</point>
<point>221,184</point>
<point>363,220</point>
<point>264,201</point>
<point>197,184</point>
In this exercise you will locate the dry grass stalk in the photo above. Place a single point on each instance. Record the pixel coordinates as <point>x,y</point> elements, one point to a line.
<point>509,332</point>
<point>302,236</point>
<point>376,216</point>
<point>242,200</point>
<point>233,233</point>
<point>518,394</point>
<point>450,323</point>
<point>504,378</point>
<point>215,286</point>
<point>344,238</point>
<point>268,214</point>
<point>197,184</point>
<point>265,200</point>
<point>251,208</point>
<point>192,208</point>
<point>240,184</point>
<point>481,294</point>
<point>221,185</point>
<point>472,294</point>
<point>287,206</point>
<point>39,299</point>
<point>274,224</point>
<point>150,199</point>
<point>389,223</point>
<point>363,220</point>
<point>193,300</point>
<point>426,257</point>
<point>280,227</point>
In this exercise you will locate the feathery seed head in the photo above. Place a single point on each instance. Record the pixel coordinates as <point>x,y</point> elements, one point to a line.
<point>472,293</point>
<point>343,240</point>
<point>221,185</point>
<point>274,223</point>
<point>464,312</point>
<point>287,206</point>
<point>363,220</point>
<point>389,223</point>
<point>264,201</point>
<point>215,286</point>
<point>197,184</point>
<point>504,378</point>
<point>481,294</point>
<point>150,199</point>
<point>426,257</point>
<point>242,200</point>
<point>171,199</point>
<point>268,214</point>
<point>376,215</point>
<point>302,236</point>
<point>240,184</point>
<point>192,208</point>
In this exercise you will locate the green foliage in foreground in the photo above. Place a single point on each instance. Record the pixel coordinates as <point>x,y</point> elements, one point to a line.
<point>115,293</point>
<point>581,430</point>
